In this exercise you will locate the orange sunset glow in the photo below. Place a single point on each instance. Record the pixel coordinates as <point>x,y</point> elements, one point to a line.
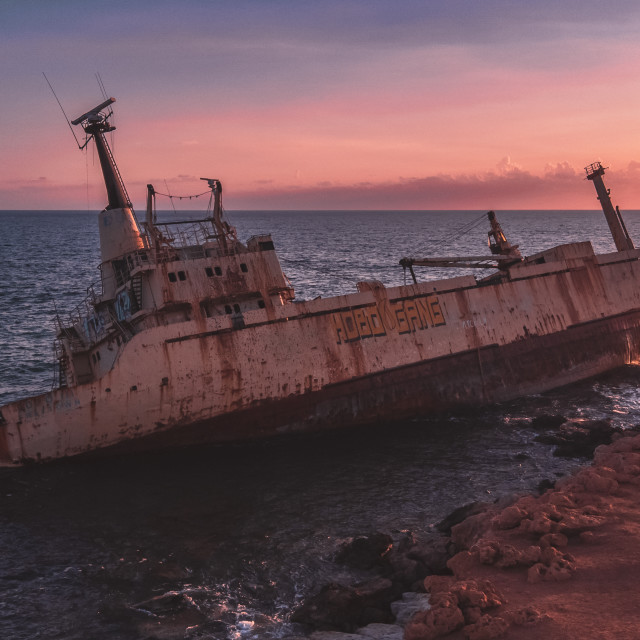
<point>336,105</point>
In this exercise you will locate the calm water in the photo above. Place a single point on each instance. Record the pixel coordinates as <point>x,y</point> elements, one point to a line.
<point>233,537</point>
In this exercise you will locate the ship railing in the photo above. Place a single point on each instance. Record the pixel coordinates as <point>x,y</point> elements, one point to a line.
<point>188,233</point>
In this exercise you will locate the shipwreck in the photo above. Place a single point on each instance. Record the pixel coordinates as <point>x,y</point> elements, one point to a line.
<point>194,336</point>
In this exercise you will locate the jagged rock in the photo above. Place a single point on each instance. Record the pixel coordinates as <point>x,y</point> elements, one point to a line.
<point>526,617</point>
<point>465,534</point>
<point>579,439</point>
<point>432,553</point>
<point>557,540</point>
<point>561,567</point>
<point>510,517</point>
<point>486,628</point>
<point>337,607</point>
<point>410,604</point>
<point>477,593</point>
<point>504,555</point>
<point>460,515</point>
<point>438,621</point>
<point>365,552</point>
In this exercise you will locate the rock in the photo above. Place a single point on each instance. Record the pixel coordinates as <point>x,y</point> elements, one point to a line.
<point>510,517</point>
<point>460,515</point>
<point>526,617</point>
<point>557,540</point>
<point>465,534</point>
<point>477,593</point>
<point>411,603</point>
<point>435,623</point>
<point>342,608</point>
<point>547,421</point>
<point>579,439</point>
<point>487,628</point>
<point>365,552</point>
<point>431,554</point>
<point>545,485</point>
<point>381,632</point>
<point>559,569</point>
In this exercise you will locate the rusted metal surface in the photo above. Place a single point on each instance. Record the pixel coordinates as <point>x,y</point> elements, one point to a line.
<point>374,355</point>
<point>195,338</point>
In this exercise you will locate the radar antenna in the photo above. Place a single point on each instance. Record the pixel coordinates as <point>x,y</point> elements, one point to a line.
<point>95,125</point>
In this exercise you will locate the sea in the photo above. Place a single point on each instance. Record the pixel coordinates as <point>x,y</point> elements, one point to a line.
<point>224,542</point>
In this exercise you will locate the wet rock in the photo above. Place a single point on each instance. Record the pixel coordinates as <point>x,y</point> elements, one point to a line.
<point>547,421</point>
<point>579,439</point>
<point>440,620</point>
<point>411,603</point>
<point>343,608</point>
<point>365,552</point>
<point>460,515</point>
<point>465,534</point>
<point>411,560</point>
<point>545,485</point>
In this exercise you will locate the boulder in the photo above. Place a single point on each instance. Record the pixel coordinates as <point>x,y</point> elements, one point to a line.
<point>439,621</point>
<point>365,552</point>
<point>345,608</point>
<point>486,628</point>
<point>578,439</point>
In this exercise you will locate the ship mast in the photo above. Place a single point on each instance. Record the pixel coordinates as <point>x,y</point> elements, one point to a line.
<point>616,224</point>
<point>119,231</point>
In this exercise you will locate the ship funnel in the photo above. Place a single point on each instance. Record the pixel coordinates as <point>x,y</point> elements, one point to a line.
<point>119,231</point>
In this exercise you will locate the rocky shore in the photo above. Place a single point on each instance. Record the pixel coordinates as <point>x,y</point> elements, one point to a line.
<point>562,565</point>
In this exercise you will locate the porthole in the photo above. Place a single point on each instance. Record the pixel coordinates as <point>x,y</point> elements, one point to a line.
<point>172,277</point>
<point>243,267</point>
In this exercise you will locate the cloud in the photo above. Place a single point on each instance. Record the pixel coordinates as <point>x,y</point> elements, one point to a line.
<point>506,187</point>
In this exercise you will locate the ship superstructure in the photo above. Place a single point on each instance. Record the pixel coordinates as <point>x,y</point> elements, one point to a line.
<point>194,337</point>
<point>159,274</point>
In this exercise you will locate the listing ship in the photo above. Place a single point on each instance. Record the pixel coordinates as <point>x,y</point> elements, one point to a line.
<point>195,337</point>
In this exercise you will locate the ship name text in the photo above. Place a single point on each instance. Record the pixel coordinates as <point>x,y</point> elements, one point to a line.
<point>402,316</point>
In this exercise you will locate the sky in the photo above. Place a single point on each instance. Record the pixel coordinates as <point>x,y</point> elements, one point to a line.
<point>339,104</point>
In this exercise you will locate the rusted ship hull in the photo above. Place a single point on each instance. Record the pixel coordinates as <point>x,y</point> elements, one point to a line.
<point>374,355</point>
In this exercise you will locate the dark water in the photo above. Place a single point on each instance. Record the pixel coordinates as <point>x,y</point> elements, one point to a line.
<point>228,539</point>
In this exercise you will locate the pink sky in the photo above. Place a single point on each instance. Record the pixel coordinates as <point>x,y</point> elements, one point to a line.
<point>336,105</point>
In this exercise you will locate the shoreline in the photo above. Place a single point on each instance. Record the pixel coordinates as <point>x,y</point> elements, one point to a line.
<point>561,566</point>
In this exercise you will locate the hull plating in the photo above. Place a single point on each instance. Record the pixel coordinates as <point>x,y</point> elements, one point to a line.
<point>366,357</point>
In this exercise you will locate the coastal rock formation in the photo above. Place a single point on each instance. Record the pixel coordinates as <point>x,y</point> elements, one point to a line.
<point>509,574</point>
<point>346,608</point>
